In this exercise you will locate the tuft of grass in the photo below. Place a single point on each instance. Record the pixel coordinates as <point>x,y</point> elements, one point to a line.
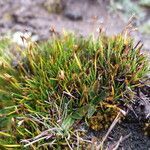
<point>63,82</point>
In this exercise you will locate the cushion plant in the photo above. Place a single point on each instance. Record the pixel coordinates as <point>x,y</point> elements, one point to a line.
<point>56,85</point>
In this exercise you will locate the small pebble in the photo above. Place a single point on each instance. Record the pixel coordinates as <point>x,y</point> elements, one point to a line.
<point>22,39</point>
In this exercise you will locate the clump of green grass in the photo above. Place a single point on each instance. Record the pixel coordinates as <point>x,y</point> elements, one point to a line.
<point>67,80</point>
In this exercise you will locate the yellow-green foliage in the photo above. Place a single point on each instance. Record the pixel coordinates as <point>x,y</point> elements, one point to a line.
<point>64,80</point>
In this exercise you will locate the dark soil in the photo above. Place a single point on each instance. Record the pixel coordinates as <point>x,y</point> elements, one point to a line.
<point>132,126</point>
<point>83,17</point>
<point>136,140</point>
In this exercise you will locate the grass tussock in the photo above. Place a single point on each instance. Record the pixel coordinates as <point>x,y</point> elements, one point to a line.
<point>57,85</point>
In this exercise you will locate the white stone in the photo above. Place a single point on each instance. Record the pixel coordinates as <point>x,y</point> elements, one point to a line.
<point>23,39</point>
